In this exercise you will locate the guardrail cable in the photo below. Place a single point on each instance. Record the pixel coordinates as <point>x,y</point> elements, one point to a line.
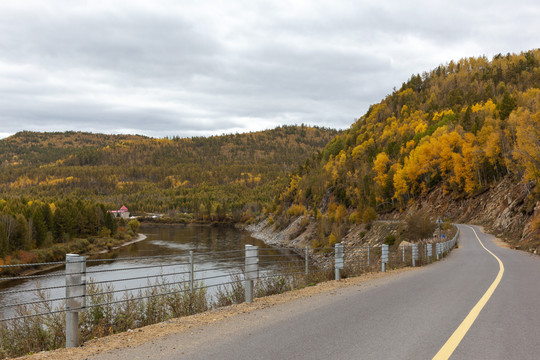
<point>197,268</point>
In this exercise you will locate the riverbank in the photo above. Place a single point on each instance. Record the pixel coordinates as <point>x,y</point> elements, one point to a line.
<point>140,237</point>
<point>33,268</point>
<point>296,234</point>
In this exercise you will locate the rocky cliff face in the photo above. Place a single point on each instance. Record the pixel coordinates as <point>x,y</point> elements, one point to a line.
<point>301,232</point>
<point>507,209</point>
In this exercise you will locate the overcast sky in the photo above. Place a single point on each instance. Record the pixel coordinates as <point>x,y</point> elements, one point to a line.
<point>190,68</point>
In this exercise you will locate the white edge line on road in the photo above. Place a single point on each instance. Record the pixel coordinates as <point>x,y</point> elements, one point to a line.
<point>452,343</point>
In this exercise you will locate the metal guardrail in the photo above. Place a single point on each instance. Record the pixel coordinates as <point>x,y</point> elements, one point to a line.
<point>183,276</point>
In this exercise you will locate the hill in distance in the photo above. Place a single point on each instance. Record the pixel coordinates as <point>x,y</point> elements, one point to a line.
<point>40,148</point>
<point>212,178</point>
<point>458,130</point>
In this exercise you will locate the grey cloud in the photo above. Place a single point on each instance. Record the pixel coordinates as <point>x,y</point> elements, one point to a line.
<point>182,68</point>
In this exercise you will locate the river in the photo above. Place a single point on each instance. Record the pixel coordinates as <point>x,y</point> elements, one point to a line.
<point>164,251</point>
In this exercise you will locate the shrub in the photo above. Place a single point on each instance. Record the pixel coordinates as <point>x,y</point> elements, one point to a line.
<point>271,286</point>
<point>232,294</point>
<point>340,214</point>
<point>26,257</point>
<point>134,225</point>
<point>390,239</point>
<point>58,253</point>
<point>297,210</point>
<point>417,226</point>
<point>122,235</point>
<point>316,242</point>
<point>105,233</point>
<point>355,217</point>
<point>332,240</point>
<point>369,215</point>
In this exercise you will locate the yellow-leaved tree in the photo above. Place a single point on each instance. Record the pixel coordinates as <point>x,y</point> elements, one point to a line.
<point>527,148</point>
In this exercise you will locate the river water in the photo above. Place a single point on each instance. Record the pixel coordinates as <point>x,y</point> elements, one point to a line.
<point>218,252</point>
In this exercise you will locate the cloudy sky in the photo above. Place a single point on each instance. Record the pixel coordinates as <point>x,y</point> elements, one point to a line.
<point>190,68</point>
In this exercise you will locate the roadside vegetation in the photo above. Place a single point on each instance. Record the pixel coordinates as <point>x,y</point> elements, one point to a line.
<point>104,316</point>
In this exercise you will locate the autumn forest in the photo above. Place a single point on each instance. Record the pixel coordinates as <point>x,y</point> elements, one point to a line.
<point>462,126</point>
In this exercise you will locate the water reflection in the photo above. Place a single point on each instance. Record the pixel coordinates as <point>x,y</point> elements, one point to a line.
<point>218,252</point>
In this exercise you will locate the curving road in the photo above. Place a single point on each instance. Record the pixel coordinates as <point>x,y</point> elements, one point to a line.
<point>407,315</point>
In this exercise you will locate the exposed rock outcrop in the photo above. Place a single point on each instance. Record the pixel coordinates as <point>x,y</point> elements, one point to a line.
<point>507,209</point>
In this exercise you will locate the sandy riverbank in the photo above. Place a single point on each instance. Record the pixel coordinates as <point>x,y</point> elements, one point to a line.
<point>140,237</point>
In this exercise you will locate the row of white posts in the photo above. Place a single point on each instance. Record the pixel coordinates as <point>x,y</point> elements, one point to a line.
<point>440,249</point>
<point>76,277</point>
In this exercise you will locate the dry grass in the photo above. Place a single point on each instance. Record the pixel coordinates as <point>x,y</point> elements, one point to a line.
<point>178,325</point>
<point>158,303</point>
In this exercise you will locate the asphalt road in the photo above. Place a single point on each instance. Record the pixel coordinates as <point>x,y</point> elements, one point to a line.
<point>408,315</point>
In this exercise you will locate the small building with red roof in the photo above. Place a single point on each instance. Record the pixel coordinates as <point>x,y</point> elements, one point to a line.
<point>122,213</point>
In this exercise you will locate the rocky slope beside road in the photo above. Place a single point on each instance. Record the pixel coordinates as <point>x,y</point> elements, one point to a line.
<point>508,209</point>
<point>301,231</point>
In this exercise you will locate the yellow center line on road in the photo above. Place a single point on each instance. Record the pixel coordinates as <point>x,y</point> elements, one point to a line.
<point>452,343</point>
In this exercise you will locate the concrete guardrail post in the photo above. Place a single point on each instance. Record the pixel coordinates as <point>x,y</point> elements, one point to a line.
<point>75,296</point>
<point>429,252</point>
<point>252,270</point>
<point>384,257</point>
<point>414,254</point>
<point>339,260</point>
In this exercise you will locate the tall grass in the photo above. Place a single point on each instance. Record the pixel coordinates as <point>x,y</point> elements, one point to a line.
<point>33,334</point>
<point>107,314</point>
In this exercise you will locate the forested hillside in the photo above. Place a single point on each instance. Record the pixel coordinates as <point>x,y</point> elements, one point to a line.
<point>462,127</point>
<point>35,149</point>
<point>210,178</point>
